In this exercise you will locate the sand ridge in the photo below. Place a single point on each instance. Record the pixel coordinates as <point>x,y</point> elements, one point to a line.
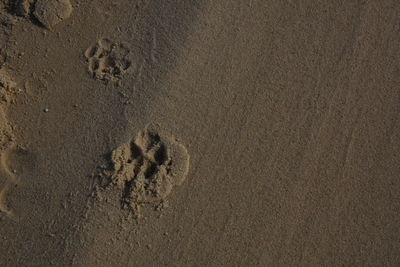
<point>7,140</point>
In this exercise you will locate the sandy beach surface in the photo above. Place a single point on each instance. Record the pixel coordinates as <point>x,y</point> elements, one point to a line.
<point>199,133</point>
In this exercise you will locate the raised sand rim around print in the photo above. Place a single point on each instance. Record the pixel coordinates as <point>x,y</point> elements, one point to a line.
<point>7,141</point>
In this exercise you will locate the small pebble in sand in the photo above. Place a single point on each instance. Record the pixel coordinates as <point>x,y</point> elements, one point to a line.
<point>46,110</point>
<point>50,13</point>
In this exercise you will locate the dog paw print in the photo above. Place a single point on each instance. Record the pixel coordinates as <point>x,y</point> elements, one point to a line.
<point>148,168</point>
<point>107,60</point>
<point>47,13</point>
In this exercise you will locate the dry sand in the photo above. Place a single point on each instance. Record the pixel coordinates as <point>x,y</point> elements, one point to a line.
<point>199,133</point>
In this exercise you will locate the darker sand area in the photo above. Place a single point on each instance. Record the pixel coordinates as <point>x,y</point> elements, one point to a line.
<point>199,133</point>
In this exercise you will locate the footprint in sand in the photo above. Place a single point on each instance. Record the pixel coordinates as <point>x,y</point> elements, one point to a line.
<point>48,13</point>
<point>148,168</point>
<point>107,60</point>
<point>24,8</point>
<point>7,141</point>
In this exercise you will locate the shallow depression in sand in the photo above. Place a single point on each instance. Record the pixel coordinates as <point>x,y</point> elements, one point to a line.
<point>50,13</point>
<point>146,169</point>
<point>108,60</point>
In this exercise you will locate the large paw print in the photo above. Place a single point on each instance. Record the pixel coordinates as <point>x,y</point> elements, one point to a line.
<point>147,169</point>
<point>47,13</point>
<point>108,60</point>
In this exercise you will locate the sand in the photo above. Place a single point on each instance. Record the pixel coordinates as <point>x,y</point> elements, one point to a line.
<point>199,133</point>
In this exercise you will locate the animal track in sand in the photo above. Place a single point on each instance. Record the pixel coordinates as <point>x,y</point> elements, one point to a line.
<point>48,13</point>
<point>24,8</point>
<point>52,12</point>
<point>107,60</point>
<point>146,169</point>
